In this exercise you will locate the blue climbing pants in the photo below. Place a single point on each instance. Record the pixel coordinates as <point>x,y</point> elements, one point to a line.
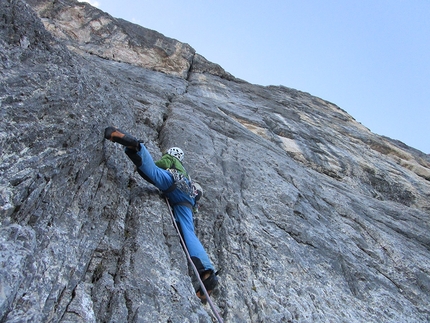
<point>163,179</point>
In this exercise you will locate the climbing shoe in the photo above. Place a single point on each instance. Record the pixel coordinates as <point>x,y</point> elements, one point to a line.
<point>210,281</point>
<point>116,135</point>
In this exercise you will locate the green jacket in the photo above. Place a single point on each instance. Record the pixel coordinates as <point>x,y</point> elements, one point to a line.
<point>168,161</point>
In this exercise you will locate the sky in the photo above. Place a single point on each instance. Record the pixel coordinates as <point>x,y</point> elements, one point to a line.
<point>369,57</point>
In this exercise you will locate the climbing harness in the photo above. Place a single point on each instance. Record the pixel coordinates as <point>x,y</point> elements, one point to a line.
<point>181,183</point>
<point>196,272</point>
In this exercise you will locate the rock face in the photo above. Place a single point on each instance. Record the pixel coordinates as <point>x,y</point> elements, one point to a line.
<point>310,216</point>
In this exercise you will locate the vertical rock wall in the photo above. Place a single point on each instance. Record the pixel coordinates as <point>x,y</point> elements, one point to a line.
<point>309,216</point>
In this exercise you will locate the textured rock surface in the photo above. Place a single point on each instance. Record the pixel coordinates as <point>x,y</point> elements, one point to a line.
<point>311,217</point>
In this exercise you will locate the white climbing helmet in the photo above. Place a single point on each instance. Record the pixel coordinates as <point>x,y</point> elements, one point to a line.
<point>176,152</point>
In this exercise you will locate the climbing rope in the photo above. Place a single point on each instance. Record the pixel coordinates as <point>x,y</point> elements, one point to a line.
<point>196,272</point>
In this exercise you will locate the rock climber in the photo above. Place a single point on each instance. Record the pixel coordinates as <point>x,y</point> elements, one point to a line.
<point>170,177</point>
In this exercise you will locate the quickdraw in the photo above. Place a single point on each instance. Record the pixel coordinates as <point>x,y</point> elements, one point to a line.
<point>182,183</point>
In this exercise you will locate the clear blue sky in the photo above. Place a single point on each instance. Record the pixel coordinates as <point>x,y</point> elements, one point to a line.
<point>369,57</point>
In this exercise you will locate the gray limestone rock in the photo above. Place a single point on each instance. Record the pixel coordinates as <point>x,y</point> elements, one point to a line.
<point>309,215</point>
